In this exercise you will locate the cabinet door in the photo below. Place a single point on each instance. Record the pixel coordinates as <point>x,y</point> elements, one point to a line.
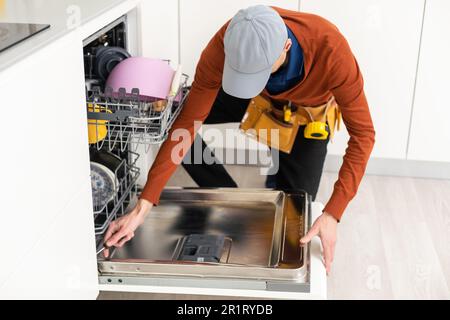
<point>61,263</point>
<point>430,135</point>
<point>142,282</point>
<point>384,36</point>
<point>200,20</point>
<point>45,156</point>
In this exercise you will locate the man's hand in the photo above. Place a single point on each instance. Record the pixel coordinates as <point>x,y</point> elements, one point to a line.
<point>325,227</point>
<point>122,230</point>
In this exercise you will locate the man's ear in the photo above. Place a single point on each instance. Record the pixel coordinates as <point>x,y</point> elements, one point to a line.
<point>288,45</point>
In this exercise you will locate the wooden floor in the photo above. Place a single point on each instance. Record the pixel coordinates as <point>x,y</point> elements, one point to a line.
<point>393,241</point>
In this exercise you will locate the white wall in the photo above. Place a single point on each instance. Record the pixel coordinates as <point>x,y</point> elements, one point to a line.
<point>430,133</point>
<point>159,29</point>
<point>384,36</point>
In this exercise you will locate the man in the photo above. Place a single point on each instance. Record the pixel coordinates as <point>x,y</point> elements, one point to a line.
<point>290,56</point>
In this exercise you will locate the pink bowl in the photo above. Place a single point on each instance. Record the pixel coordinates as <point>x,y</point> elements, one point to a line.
<point>153,77</point>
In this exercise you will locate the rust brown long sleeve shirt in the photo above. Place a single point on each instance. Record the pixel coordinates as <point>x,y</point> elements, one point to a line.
<point>330,69</point>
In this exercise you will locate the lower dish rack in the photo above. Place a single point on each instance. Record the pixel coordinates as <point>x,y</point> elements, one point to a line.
<point>125,191</point>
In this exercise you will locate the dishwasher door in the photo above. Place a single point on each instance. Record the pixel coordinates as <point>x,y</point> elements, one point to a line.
<point>262,257</point>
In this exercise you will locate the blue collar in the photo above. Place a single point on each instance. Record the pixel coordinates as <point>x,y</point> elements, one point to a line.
<point>291,74</point>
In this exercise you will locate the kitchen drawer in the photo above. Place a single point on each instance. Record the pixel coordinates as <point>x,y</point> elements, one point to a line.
<point>262,257</point>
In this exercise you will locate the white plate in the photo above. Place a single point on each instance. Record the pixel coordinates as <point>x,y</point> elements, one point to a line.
<point>104,184</point>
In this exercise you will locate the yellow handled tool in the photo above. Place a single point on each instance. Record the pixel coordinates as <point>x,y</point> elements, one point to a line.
<point>287,113</point>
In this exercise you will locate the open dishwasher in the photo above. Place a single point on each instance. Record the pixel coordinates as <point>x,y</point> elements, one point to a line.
<point>206,241</point>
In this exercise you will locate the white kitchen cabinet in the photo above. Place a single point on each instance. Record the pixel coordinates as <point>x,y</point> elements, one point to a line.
<point>45,165</point>
<point>201,19</point>
<point>384,36</point>
<point>60,263</point>
<point>46,149</point>
<point>159,29</point>
<point>430,136</point>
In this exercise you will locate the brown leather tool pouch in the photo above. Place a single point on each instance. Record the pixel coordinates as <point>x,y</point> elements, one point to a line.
<point>265,123</point>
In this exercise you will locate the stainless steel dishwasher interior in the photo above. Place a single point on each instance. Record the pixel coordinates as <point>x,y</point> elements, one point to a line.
<point>265,227</point>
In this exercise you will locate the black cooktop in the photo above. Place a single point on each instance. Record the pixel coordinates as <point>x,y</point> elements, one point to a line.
<point>13,33</point>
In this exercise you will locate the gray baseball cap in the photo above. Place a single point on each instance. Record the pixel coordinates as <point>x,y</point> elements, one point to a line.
<point>254,40</point>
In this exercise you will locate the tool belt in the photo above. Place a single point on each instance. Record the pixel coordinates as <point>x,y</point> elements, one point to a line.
<point>263,116</point>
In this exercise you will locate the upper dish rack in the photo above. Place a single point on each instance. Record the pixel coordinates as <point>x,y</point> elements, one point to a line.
<point>125,120</point>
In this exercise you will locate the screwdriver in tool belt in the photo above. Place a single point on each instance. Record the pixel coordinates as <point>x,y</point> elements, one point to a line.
<point>287,112</point>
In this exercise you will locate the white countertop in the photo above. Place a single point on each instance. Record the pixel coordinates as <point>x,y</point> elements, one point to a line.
<point>57,13</point>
